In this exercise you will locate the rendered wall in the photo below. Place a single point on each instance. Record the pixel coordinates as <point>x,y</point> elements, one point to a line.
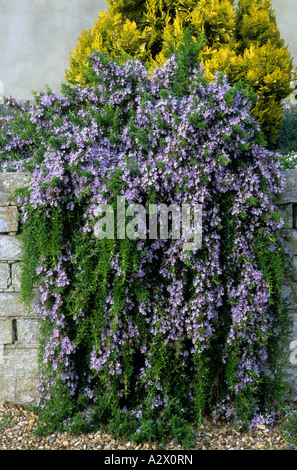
<point>286,16</point>
<point>37,36</point>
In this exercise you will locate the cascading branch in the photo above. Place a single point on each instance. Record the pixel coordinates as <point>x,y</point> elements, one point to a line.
<point>142,335</point>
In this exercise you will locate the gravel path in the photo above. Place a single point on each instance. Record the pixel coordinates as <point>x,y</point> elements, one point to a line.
<point>17,427</point>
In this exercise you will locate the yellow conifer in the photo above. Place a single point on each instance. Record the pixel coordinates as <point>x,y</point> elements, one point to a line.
<point>243,41</point>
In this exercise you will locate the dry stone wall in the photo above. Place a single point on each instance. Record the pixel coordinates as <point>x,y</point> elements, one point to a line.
<point>19,331</point>
<point>289,211</point>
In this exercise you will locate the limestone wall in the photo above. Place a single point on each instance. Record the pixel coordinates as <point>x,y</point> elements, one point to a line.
<point>19,331</point>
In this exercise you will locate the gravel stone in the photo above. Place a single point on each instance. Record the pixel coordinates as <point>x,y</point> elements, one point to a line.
<point>18,425</point>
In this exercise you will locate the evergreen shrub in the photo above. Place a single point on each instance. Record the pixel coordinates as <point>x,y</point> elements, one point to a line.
<point>142,336</point>
<point>243,41</point>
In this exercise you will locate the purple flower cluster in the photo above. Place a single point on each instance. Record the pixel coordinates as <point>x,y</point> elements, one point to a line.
<point>199,148</point>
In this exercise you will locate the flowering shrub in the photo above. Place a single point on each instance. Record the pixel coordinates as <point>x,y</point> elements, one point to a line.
<point>140,334</point>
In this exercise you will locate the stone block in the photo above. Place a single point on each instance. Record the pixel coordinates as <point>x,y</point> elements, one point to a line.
<point>4,201</point>
<point>26,389</point>
<point>19,390</point>
<point>11,181</point>
<point>9,219</point>
<point>5,331</point>
<point>20,362</point>
<point>291,180</point>
<point>28,332</point>
<point>11,305</point>
<point>287,198</point>
<point>16,276</point>
<point>10,248</point>
<point>4,275</point>
<point>7,387</point>
<point>19,375</point>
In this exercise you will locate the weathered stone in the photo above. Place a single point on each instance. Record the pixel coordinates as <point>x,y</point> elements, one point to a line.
<point>18,375</point>
<point>11,305</point>
<point>10,248</point>
<point>7,385</point>
<point>16,276</point>
<point>291,181</point>
<point>6,201</point>
<point>289,197</point>
<point>9,219</point>
<point>27,332</point>
<point>11,181</point>
<point>4,275</point>
<point>5,331</point>
<point>25,388</point>
<point>19,362</point>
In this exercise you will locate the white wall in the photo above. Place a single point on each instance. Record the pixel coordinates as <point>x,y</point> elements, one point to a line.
<point>37,36</point>
<point>286,17</point>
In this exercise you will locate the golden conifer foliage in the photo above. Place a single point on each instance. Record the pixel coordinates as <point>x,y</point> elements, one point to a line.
<point>243,41</point>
